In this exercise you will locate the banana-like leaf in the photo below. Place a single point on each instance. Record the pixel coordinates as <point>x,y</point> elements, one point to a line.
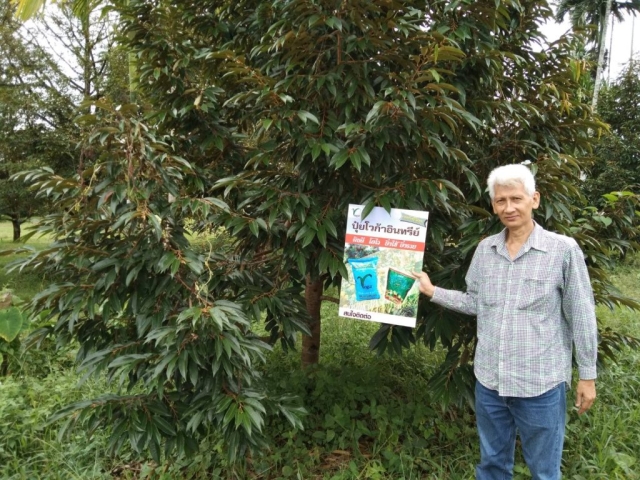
<point>10,323</point>
<point>26,9</point>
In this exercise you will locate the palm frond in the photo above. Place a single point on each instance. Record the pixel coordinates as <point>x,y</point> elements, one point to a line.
<point>26,9</point>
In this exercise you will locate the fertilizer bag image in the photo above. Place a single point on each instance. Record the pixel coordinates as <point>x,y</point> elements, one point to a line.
<point>398,285</point>
<point>365,277</point>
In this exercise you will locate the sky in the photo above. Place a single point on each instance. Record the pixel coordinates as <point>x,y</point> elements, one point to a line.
<point>621,47</point>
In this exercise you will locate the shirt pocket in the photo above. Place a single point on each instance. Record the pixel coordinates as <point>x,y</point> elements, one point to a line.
<point>533,295</point>
<point>490,295</point>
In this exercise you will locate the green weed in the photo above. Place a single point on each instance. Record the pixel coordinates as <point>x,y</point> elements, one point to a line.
<point>30,449</point>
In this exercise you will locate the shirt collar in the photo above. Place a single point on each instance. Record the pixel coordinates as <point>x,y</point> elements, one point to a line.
<point>536,239</point>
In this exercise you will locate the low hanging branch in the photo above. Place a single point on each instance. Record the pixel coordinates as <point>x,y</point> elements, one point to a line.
<point>330,299</point>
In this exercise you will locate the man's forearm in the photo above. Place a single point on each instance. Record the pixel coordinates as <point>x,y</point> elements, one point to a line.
<point>455,300</point>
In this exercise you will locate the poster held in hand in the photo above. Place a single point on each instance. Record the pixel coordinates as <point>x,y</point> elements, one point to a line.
<point>380,252</point>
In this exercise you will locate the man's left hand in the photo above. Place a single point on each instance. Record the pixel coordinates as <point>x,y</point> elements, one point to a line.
<point>585,395</point>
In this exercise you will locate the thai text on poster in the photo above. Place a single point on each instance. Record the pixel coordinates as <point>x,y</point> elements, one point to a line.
<point>380,253</point>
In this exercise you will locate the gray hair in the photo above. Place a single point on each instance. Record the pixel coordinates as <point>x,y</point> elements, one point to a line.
<point>511,176</point>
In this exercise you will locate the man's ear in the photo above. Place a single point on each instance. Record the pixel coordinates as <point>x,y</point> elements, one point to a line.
<point>536,199</point>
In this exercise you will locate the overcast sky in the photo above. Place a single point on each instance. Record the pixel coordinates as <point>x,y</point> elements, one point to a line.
<point>621,47</point>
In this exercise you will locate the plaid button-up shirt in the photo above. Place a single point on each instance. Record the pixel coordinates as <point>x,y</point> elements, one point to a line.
<point>530,310</point>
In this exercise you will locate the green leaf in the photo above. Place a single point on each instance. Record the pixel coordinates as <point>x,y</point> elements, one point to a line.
<point>313,19</point>
<point>375,110</point>
<point>304,116</point>
<point>154,449</point>
<point>381,334</point>
<point>322,235</point>
<point>369,206</point>
<point>315,151</point>
<point>340,158</point>
<point>331,228</point>
<point>356,160</point>
<point>167,260</point>
<point>27,10</point>
<point>385,203</point>
<point>287,471</point>
<point>364,155</point>
<point>10,323</point>
<point>254,227</point>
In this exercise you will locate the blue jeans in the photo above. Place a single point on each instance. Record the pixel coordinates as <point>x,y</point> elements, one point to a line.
<point>540,423</point>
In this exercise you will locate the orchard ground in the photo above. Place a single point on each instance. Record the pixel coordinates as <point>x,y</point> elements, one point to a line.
<point>369,417</point>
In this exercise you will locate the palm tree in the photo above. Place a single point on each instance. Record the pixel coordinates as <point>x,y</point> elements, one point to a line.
<point>602,39</point>
<point>596,13</point>
<point>28,8</point>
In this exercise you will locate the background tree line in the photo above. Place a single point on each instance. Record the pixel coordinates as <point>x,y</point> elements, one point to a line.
<point>48,67</point>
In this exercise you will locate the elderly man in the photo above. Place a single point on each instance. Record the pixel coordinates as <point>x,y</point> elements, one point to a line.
<point>530,291</point>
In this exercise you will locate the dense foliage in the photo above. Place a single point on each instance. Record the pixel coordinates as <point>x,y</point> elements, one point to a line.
<point>407,105</point>
<point>617,164</point>
<point>167,322</point>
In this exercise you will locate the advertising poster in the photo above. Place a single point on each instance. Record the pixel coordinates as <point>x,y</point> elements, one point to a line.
<point>380,253</point>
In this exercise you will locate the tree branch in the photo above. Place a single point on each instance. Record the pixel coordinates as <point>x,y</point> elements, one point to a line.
<point>330,299</point>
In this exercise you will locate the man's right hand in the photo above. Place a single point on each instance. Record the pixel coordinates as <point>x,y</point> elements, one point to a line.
<point>424,283</point>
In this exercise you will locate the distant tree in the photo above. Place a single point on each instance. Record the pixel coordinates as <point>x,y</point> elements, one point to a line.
<point>17,202</point>
<point>617,154</point>
<point>82,43</point>
<point>582,13</point>
<point>36,115</point>
<point>50,67</point>
<point>597,14</point>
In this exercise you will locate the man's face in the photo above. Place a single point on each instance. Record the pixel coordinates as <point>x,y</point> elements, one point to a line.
<point>514,206</point>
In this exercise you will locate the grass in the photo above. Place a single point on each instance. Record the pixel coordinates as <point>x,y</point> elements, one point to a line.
<point>369,417</point>
<point>24,284</point>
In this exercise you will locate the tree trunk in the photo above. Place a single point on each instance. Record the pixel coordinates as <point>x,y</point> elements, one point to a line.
<point>311,344</point>
<point>602,41</point>
<point>86,57</point>
<point>133,73</point>
<point>16,229</point>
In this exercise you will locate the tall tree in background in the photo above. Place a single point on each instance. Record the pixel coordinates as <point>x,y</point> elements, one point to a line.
<point>82,41</point>
<point>84,65</point>
<point>36,112</point>
<point>96,20</point>
<point>617,165</point>
<point>597,14</point>
<point>600,68</point>
<point>582,13</point>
